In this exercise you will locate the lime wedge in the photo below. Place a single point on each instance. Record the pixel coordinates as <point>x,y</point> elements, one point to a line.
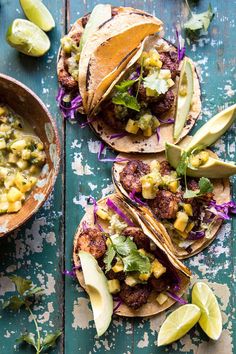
<point>210,320</point>
<point>37,13</point>
<point>28,38</point>
<point>178,323</point>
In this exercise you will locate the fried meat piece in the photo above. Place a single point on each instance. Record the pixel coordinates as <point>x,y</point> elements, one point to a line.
<point>134,296</point>
<point>165,168</point>
<point>140,239</point>
<point>93,241</point>
<point>165,205</point>
<point>131,174</point>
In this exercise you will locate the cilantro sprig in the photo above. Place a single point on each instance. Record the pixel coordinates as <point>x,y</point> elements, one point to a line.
<point>122,96</point>
<point>198,22</point>
<point>205,185</point>
<point>125,249</point>
<point>26,295</point>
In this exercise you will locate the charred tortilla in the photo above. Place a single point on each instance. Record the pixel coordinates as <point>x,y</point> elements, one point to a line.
<point>102,53</point>
<point>151,307</point>
<point>221,195</point>
<point>137,143</point>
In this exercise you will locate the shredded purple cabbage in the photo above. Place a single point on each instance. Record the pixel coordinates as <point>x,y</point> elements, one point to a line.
<point>84,225</point>
<point>181,50</point>
<point>196,235</point>
<point>71,273</point>
<point>118,135</point>
<point>68,112</point>
<point>95,208</point>
<point>166,121</point>
<point>136,199</point>
<point>116,159</point>
<point>223,211</point>
<point>119,212</point>
<point>85,124</point>
<point>158,134</point>
<point>177,298</point>
<point>119,302</point>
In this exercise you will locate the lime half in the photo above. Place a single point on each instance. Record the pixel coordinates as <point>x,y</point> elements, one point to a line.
<point>38,13</point>
<point>28,38</point>
<point>210,320</point>
<point>178,323</point>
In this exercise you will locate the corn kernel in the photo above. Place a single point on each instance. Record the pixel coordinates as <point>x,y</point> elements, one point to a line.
<point>161,298</point>
<point>173,186</point>
<point>144,276</point>
<point>131,281</point>
<point>25,154</point>
<point>181,221</point>
<point>188,209</point>
<point>113,286</point>
<point>118,267</point>
<point>132,126</point>
<point>155,166</point>
<point>157,269</point>
<point>14,195</point>
<point>147,132</point>
<point>18,145</point>
<point>14,207</point>
<point>103,214</point>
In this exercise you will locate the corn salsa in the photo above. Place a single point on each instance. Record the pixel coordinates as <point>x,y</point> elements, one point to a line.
<point>22,157</point>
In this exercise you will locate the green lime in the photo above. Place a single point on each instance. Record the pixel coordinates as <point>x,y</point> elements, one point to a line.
<point>28,38</point>
<point>37,13</point>
<point>178,323</point>
<point>210,320</point>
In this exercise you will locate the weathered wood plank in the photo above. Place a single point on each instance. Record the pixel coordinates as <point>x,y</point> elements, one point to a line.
<point>86,176</point>
<point>35,251</point>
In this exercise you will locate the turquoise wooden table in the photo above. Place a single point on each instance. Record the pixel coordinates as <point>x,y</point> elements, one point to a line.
<point>42,249</point>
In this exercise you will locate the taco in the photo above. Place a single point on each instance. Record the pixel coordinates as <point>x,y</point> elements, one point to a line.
<point>92,53</point>
<point>188,211</point>
<point>142,276</point>
<point>141,105</point>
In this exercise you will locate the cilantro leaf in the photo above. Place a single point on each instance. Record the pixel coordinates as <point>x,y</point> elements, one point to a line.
<point>136,262</point>
<point>109,256</point>
<point>198,22</point>
<point>125,85</point>
<point>183,164</point>
<point>190,194</point>
<point>125,99</point>
<point>50,339</point>
<point>14,303</point>
<point>22,285</point>
<point>28,338</point>
<point>205,185</point>
<point>154,83</point>
<point>123,245</point>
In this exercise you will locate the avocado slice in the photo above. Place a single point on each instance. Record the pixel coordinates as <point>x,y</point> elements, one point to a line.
<point>100,14</point>
<point>213,129</point>
<point>184,97</point>
<point>96,286</point>
<point>213,168</point>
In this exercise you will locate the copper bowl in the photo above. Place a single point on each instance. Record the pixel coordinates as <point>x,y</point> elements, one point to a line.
<point>28,105</point>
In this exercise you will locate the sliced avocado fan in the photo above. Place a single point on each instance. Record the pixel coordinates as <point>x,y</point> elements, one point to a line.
<point>184,97</point>
<point>213,168</point>
<point>213,129</point>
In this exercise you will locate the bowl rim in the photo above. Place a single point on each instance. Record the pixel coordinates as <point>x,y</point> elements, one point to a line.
<point>56,166</point>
